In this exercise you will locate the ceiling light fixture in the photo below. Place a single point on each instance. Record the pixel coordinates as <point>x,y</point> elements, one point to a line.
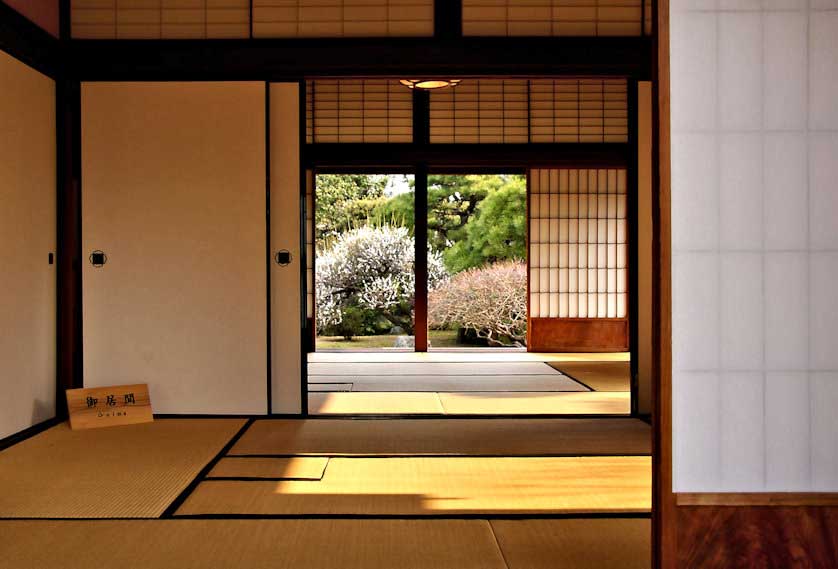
<point>429,84</point>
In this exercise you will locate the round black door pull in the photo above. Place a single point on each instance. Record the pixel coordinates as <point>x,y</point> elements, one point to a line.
<point>98,258</point>
<point>283,257</point>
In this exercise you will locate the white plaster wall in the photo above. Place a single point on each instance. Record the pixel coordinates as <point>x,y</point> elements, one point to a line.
<point>27,236</point>
<point>755,244</point>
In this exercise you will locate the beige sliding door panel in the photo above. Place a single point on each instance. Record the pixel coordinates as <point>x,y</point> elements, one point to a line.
<point>286,196</point>
<point>27,236</point>
<point>174,194</point>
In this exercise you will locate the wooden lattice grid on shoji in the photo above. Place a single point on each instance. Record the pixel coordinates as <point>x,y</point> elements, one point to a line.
<point>159,19</point>
<point>530,110</point>
<point>481,110</point>
<point>556,17</point>
<point>358,110</point>
<point>578,243</point>
<point>342,18</point>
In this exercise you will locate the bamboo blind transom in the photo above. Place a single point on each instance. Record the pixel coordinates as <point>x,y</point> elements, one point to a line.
<point>342,18</point>
<point>159,19</point>
<point>556,17</point>
<point>358,110</point>
<point>539,110</point>
<point>578,249</point>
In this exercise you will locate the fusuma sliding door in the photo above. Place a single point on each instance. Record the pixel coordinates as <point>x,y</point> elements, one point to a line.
<point>27,246</point>
<point>578,254</point>
<point>174,197</point>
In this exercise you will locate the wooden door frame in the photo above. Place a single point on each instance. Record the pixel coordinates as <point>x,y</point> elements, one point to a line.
<point>664,514</point>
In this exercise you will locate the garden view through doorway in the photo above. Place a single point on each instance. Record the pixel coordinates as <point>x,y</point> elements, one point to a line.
<point>370,306</point>
<point>365,270</point>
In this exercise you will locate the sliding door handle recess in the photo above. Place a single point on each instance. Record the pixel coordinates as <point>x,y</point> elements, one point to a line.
<point>98,258</point>
<point>283,257</point>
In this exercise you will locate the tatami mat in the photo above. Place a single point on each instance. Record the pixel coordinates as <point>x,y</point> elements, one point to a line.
<point>575,543</point>
<point>608,403</point>
<point>128,471</point>
<point>458,383</point>
<point>428,368</point>
<point>599,376</point>
<point>431,486</point>
<point>348,403</point>
<point>250,544</point>
<point>494,437</point>
<point>470,403</point>
<point>296,468</point>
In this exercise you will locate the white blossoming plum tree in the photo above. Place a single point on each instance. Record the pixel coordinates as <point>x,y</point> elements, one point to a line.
<point>367,274</point>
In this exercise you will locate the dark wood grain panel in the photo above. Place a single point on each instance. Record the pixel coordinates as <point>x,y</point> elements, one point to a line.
<point>757,499</point>
<point>757,537</point>
<point>578,335</point>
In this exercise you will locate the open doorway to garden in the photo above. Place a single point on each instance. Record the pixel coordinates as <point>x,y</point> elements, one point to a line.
<point>370,305</point>
<point>365,269</point>
<point>364,262</point>
<point>477,232</point>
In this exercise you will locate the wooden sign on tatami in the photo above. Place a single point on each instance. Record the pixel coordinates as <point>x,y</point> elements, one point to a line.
<point>94,407</point>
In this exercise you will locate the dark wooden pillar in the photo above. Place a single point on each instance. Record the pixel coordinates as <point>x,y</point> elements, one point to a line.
<point>448,19</point>
<point>69,257</point>
<point>421,135</point>
<point>421,240</point>
<point>633,242</point>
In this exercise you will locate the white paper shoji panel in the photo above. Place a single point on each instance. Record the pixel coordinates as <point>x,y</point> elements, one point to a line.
<point>342,18</point>
<point>160,19</point>
<point>578,246</point>
<point>553,17</point>
<point>538,110</point>
<point>358,110</point>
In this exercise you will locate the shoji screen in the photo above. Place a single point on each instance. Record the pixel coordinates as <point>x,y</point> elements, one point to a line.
<point>584,110</point>
<point>342,18</point>
<point>160,19</point>
<point>481,110</point>
<point>174,194</point>
<point>556,17</point>
<point>27,237</point>
<point>754,92</point>
<point>540,110</point>
<point>578,260</point>
<point>358,110</point>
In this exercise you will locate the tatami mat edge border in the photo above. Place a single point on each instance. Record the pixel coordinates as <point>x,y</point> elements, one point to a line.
<point>181,498</point>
